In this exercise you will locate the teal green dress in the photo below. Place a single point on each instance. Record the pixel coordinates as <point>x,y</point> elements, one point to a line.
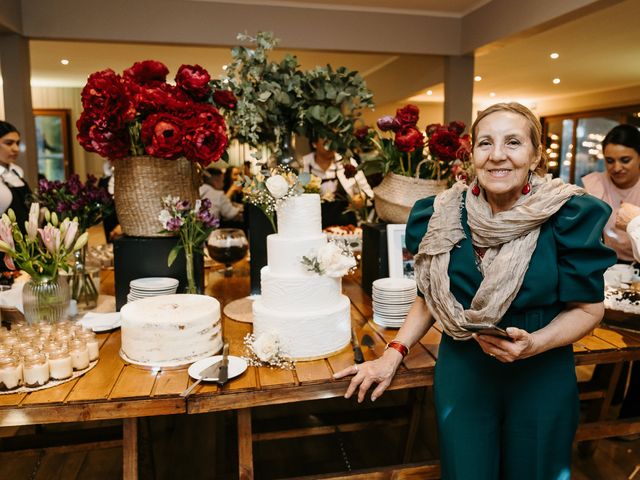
<point>517,421</point>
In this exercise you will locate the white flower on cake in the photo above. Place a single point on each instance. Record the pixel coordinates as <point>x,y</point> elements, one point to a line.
<point>331,260</point>
<point>265,349</point>
<point>266,346</point>
<point>277,186</point>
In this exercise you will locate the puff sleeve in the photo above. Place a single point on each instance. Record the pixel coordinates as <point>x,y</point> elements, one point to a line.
<point>582,256</point>
<point>417,223</point>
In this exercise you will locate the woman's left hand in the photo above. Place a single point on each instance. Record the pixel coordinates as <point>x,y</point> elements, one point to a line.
<point>521,346</point>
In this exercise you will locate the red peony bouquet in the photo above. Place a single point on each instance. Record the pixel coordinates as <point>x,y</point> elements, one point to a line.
<point>139,113</point>
<point>442,152</point>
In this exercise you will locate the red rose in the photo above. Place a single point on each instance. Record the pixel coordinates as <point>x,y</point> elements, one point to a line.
<point>457,127</point>
<point>388,123</point>
<point>148,72</point>
<point>225,99</point>
<point>443,144</point>
<point>97,135</point>
<point>408,116</point>
<point>349,170</point>
<point>408,139</point>
<point>105,94</point>
<point>162,134</point>
<point>194,80</point>
<point>432,127</point>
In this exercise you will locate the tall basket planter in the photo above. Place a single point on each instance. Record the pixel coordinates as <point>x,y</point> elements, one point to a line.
<point>396,195</point>
<point>140,184</point>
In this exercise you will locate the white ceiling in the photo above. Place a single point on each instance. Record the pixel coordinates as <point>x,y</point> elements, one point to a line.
<point>598,52</point>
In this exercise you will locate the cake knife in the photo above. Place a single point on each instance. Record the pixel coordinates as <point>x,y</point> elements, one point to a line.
<point>209,372</point>
<point>358,357</point>
<point>223,374</point>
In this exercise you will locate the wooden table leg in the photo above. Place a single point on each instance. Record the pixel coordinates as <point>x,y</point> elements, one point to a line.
<point>416,399</point>
<point>130,448</point>
<point>245,445</point>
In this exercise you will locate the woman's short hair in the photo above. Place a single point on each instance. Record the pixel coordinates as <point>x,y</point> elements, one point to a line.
<point>623,134</point>
<point>535,129</point>
<point>6,127</point>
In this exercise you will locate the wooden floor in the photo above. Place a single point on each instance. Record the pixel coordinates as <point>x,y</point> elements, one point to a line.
<point>203,447</point>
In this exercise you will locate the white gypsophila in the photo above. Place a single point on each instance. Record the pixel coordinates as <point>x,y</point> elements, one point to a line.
<point>277,186</point>
<point>266,346</point>
<point>333,261</point>
<point>164,218</point>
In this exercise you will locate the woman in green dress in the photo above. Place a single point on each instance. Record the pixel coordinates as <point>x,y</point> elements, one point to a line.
<point>515,250</point>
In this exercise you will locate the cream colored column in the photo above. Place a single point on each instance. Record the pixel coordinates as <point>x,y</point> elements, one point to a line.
<point>458,88</point>
<point>18,108</point>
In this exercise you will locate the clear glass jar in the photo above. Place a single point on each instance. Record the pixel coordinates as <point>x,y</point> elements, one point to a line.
<point>45,328</point>
<point>46,299</point>
<point>28,334</point>
<point>10,372</point>
<point>92,344</point>
<point>60,366</point>
<point>36,370</point>
<point>79,354</point>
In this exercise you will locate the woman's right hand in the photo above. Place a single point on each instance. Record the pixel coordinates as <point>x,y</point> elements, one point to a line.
<point>380,371</point>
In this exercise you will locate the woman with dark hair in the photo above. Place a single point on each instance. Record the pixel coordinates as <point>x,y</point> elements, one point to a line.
<point>14,191</point>
<point>618,184</point>
<point>231,189</point>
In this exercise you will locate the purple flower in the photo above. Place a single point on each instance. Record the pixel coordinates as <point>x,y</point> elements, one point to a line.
<point>183,205</point>
<point>174,224</point>
<point>388,123</point>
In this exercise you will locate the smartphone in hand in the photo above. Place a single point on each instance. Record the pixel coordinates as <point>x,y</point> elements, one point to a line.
<point>486,329</point>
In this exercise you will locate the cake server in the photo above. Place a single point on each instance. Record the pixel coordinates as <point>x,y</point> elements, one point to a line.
<point>223,374</point>
<point>210,372</point>
<point>358,357</point>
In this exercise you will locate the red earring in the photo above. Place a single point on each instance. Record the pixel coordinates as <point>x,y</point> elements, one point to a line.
<point>527,186</point>
<point>475,189</point>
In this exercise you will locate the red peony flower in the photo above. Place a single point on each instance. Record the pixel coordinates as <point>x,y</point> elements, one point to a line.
<point>432,127</point>
<point>350,170</point>
<point>205,139</point>
<point>444,144</point>
<point>361,133</point>
<point>464,151</point>
<point>148,72</point>
<point>408,139</point>
<point>194,80</point>
<point>225,99</point>
<point>162,98</point>
<point>457,127</point>
<point>408,115</point>
<point>105,95</point>
<point>162,135</point>
<point>97,135</point>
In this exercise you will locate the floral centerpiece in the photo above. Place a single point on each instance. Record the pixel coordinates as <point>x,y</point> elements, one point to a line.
<point>192,224</point>
<point>154,132</point>
<point>277,99</point>
<point>41,252</point>
<point>88,203</point>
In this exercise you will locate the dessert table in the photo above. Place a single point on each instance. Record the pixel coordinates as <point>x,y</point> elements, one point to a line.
<point>114,389</point>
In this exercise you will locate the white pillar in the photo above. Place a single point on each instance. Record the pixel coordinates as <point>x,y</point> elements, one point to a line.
<point>458,88</point>
<point>18,108</point>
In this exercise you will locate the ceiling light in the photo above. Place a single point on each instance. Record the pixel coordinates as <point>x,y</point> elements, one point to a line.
<point>492,94</point>
<point>477,78</point>
<point>429,92</point>
<point>554,55</point>
<point>556,81</point>
<point>64,61</point>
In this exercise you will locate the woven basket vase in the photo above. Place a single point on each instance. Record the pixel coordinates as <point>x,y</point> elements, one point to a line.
<point>396,194</point>
<point>141,183</point>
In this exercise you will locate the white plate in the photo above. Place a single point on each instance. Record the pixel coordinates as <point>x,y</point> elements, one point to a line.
<point>394,284</point>
<point>101,322</point>
<point>153,283</point>
<point>237,366</point>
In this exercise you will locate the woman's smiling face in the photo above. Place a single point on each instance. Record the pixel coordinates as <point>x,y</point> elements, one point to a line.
<point>503,156</point>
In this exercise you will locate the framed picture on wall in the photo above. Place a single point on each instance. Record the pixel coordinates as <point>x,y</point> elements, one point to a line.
<point>53,141</point>
<point>400,259</point>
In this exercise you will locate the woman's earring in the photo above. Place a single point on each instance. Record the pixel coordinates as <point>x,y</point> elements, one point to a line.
<point>475,189</point>
<point>527,186</point>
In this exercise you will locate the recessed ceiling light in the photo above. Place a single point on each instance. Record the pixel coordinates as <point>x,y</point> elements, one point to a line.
<point>477,78</point>
<point>64,61</point>
<point>492,94</point>
<point>554,55</point>
<point>556,81</point>
<point>429,92</point>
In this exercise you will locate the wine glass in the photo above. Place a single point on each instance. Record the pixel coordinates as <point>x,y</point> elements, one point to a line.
<point>228,246</point>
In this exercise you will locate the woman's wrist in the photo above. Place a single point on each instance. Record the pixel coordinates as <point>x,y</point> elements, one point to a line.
<point>399,346</point>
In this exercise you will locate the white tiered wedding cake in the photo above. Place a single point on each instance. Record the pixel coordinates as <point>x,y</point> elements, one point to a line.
<point>306,311</point>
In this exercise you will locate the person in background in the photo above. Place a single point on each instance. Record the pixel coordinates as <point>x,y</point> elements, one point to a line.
<point>520,251</point>
<point>229,213</point>
<point>232,190</point>
<point>247,172</point>
<point>618,184</point>
<point>14,190</point>
<point>341,181</point>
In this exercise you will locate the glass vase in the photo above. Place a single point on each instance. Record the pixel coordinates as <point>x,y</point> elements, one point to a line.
<point>46,299</point>
<point>191,279</point>
<point>287,155</point>
<point>83,288</point>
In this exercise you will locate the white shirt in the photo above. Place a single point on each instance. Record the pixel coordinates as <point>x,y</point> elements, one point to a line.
<point>221,206</point>
<point>633,230</point>
<point>335,172</point>
<point>9,177</point>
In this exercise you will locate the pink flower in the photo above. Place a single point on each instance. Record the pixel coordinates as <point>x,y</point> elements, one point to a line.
<point>31,226</point>
<point>70,235</point>
<point>51,238</point>
<point>6,235</point>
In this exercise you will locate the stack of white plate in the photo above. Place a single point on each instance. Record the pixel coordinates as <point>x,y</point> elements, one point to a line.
<point>392,299</point>
<point>151,287</point>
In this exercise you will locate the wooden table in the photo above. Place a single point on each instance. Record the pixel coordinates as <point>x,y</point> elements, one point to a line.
<point>116,390</point>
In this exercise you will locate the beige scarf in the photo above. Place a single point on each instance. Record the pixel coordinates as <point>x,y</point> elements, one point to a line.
<point>509,238</point>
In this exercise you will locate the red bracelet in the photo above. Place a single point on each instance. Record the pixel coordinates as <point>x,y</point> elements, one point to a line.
<point>398,346</point>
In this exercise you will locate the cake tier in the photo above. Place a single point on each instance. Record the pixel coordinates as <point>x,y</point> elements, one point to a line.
<point>284,254</point>
<point>306,334</point>
<point>293,293</point>
<point>171,330</point>
<point>300,216</point>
